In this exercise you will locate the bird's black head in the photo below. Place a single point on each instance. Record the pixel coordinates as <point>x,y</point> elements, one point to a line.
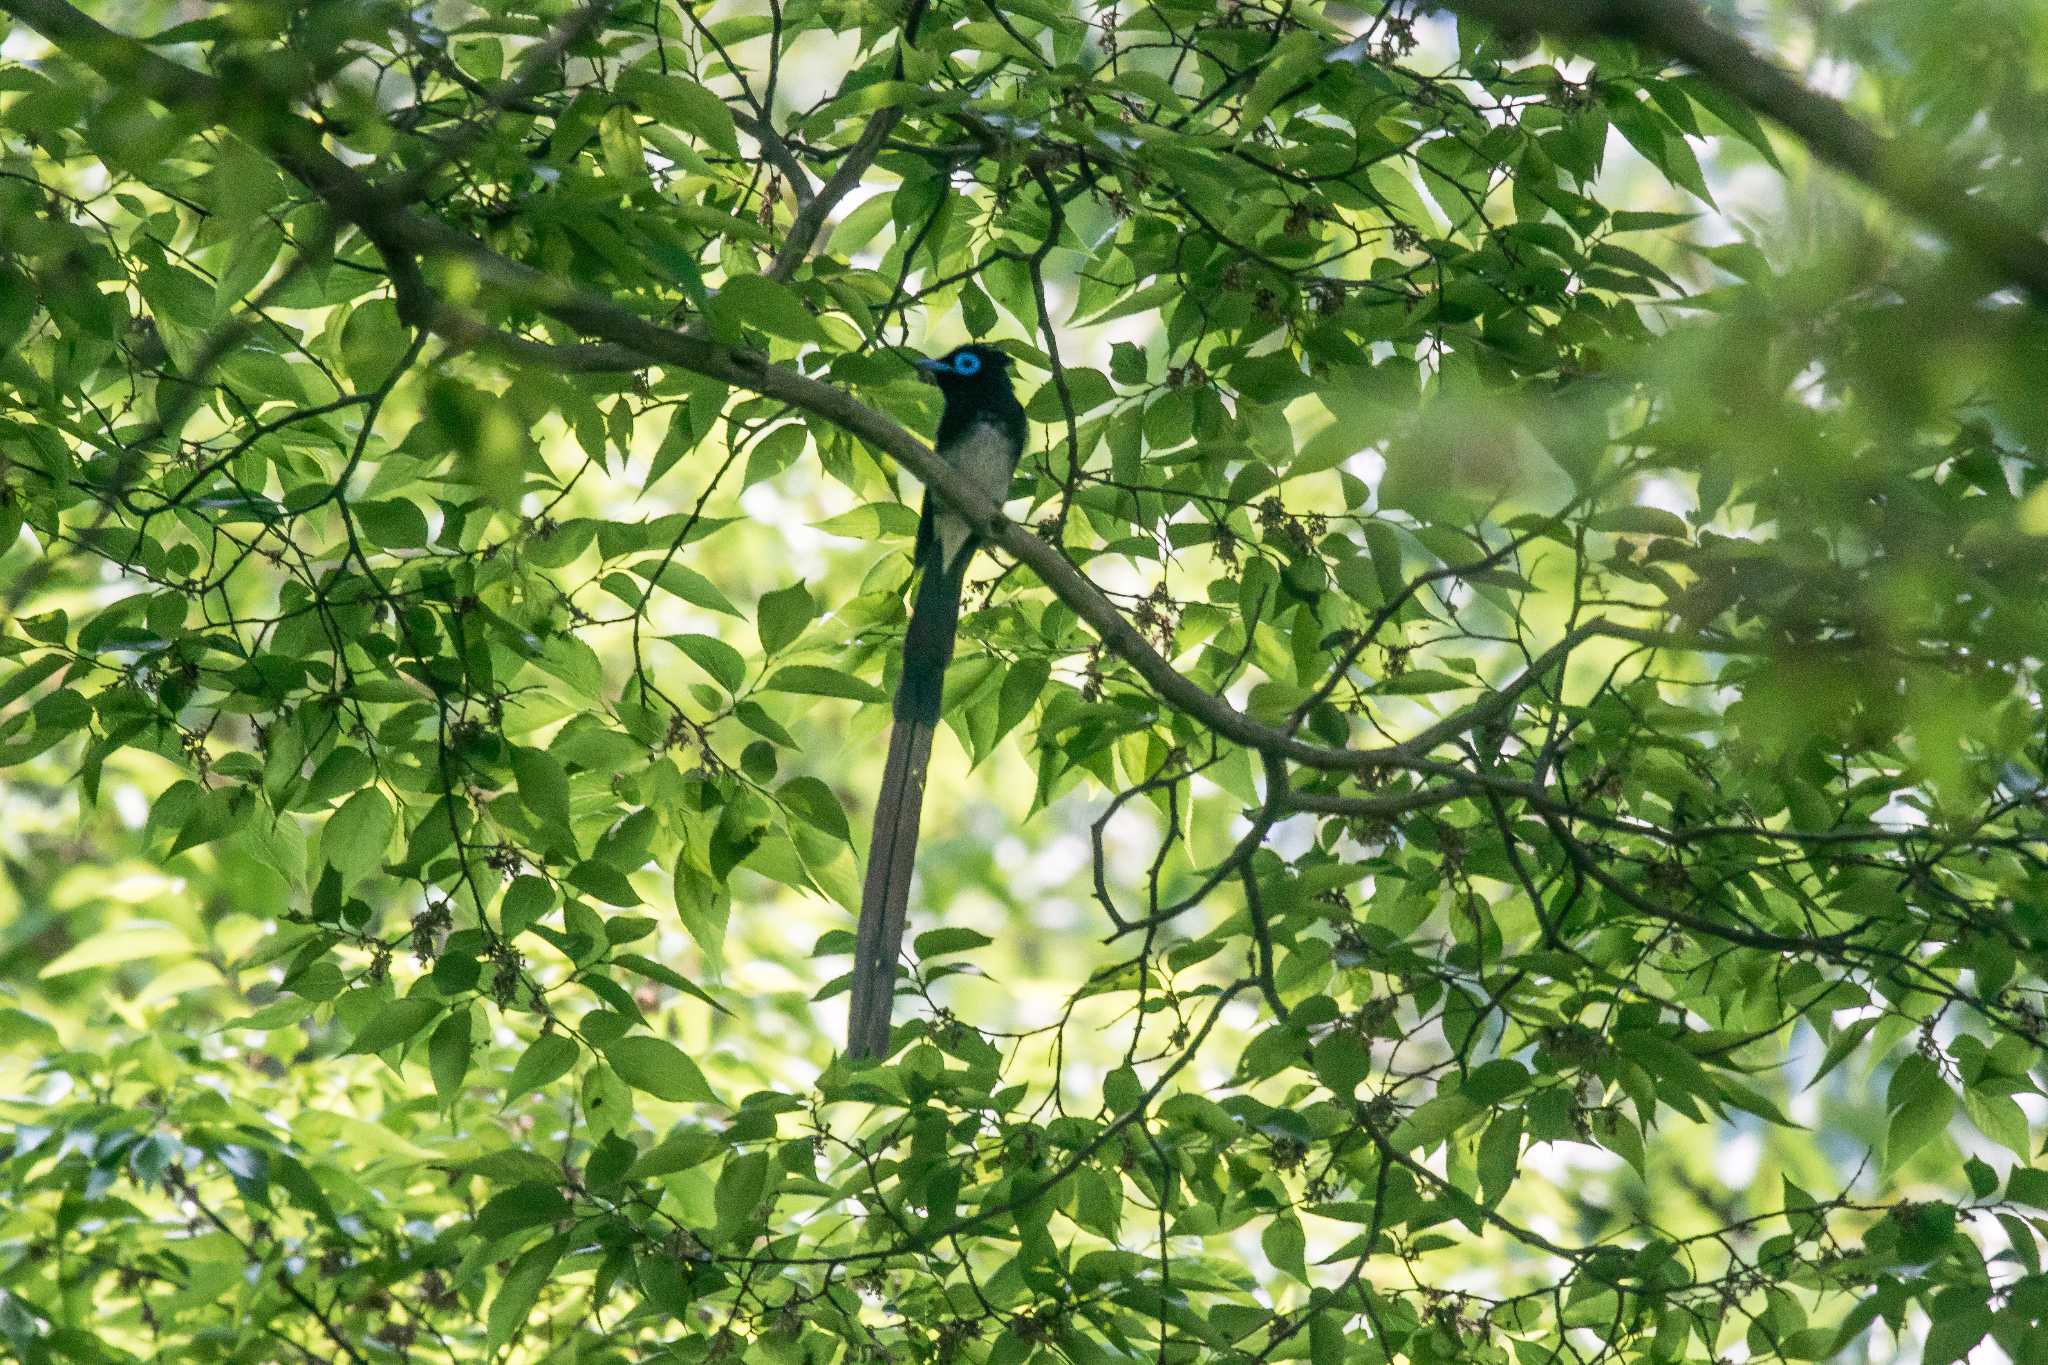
<point>967,370</point>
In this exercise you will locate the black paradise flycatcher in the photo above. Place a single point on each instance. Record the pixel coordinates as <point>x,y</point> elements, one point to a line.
<point>981,434</point>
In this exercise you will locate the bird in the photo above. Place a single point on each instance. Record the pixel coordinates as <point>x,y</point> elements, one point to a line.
<point>981,434</point>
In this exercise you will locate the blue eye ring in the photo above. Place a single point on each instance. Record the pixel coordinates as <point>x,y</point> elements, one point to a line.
<point>969,363</point>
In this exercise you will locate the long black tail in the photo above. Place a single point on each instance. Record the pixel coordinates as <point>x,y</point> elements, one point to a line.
<point>928,643</point>
<point>892,853</point>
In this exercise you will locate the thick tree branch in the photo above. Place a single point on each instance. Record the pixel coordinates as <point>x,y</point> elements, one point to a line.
<point>775,149</point>
<point>810,218</point>
<point>760,123</point>
<point>1911,176</point>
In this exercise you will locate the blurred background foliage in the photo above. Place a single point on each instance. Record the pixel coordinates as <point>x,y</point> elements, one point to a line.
<point>1590,906</point>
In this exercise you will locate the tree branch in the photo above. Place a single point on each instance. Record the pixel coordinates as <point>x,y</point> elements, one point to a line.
<point>810,217</point>
<point>1909,175</point>
<point>760,124</point>
<point>776,149</point>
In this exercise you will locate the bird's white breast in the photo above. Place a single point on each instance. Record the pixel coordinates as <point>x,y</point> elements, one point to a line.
<point>984,454</point>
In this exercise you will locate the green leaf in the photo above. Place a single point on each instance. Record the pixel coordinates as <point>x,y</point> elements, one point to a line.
<point>448,1055</point>
<point>131,941</point>
<point>682,103</point>
<point>726,665</point>
<point>815,803</point>
<point>343,770</point>
<point>604,881</point>
<point>1122,1091</point>
<point>1098,1202</point>
<point>1326,1338</point>
<point>1286,1245</point>
<point>2000,1118</point>
<point>667,976</point>
<point>562,546</point>
<point>679,1151</point>
<point>705,905</point>
<point>1847,1041</point>
<point>742,1184</point>
<point>1733,112</point>
<point>543,788</point>
<point>775,308</point>
<point>1341,1062</point>
<point>1491,1082</point>
<point>665,1283</point>
<point>1500,1152</point>
<point>1922,1105</point>
<point>624,156</point>
<point>526,900</point>
<point>685,583</point>
<point>394,1023</point>
<point>1618,1135</point>
<point>1959,1320</point>
<point>1422,682</point>
<point>396,524</point>
<point>1023,684</point>
<point>2028,1186</point>
<point>606,1102</point>
<point>782,616</point>
<point>952,939</point>
<point>816,681</point>
<point>18,1028</point>
<point>516,1295</point>
<point>1293,60</point>
<point>357,835</point>
<point>24,679</point>
<point>373,342</point>
<point>1640,521</point>
<point>872,522</point>
<point>659,1067</point>
<point>546,1059</point>
<point>1433,1121</point>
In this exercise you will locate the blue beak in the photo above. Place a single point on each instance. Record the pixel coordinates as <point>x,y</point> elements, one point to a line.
<point>930,366</point>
